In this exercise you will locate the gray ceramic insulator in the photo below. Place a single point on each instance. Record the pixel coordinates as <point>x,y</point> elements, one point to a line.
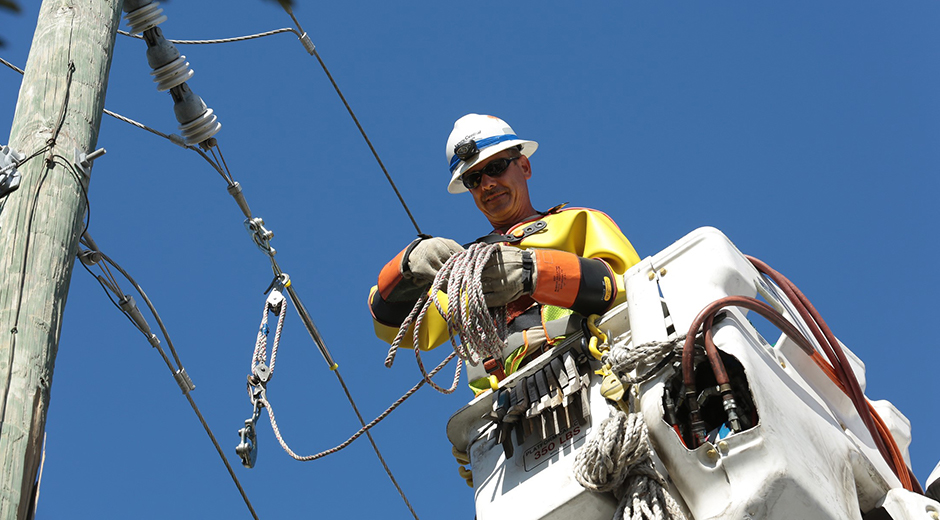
<point>186,104</point>
<point>132,5</point>
<point>197,122</point>
<point>144,16</point>
<point>159,51</point>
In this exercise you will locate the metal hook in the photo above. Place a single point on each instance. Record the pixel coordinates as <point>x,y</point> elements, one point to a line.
<point>247,448</point>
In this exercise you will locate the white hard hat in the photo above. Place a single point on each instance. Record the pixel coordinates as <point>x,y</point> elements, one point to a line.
<point>476,138</point>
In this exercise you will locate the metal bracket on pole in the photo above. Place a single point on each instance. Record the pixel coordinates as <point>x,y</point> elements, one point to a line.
<point>83,161</point>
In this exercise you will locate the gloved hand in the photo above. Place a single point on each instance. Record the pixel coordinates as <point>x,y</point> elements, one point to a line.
<point>508,274</point>
<point>427,258</point>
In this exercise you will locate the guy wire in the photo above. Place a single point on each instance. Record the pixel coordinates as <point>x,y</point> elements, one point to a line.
<point>356,120</point>
<point>179,364</point>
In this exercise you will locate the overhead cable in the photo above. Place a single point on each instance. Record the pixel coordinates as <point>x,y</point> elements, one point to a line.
<point>262,236</point>
<point>12,66</point>
<point>93,256</point>
<point>308,322</point>
<point>170,70</point>
<point>222,40</point>
<point>311,49</point>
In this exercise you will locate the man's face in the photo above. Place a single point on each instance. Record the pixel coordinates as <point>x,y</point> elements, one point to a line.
<point>504,199</point>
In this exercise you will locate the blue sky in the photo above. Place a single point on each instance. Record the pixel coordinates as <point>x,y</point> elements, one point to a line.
<point>807,133</point>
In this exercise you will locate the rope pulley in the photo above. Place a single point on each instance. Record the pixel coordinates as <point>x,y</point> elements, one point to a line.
<point>261,372</point>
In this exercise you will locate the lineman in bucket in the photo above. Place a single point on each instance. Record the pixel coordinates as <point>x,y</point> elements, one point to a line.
<point>552,267</point>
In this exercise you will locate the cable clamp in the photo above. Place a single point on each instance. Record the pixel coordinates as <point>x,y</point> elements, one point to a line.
<point>260,235</point>
<point>308,44</point>
<point>127,304</point>
<point>183,379</point>
<point>247,449</point>
<point>235,190</point>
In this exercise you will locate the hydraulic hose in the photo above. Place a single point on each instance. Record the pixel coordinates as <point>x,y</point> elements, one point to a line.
<point>833,351</point>
<point>837,369</point>
<point>706,318</point>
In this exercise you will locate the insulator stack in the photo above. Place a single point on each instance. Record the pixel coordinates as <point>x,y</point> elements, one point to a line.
<point>171,71</point>
<point>143,15</point>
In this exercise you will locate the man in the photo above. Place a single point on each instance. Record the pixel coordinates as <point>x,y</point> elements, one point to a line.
<point>551,268</point>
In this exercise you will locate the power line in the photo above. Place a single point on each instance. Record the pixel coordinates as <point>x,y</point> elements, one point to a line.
<point>179,374</point>
<point>313,51</point>
<point>12,66</point>
<point>223,40</point>
<point>262,239</point>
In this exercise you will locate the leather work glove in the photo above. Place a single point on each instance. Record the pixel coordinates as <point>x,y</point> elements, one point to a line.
<point>427,257</point>
<point>508,274</point>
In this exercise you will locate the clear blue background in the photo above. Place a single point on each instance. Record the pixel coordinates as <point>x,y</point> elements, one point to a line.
<point>807,132</point>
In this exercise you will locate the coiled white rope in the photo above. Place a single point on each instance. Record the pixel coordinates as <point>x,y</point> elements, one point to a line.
<point>617,459</point>
<point>624,360</point>
<point>482,330</point>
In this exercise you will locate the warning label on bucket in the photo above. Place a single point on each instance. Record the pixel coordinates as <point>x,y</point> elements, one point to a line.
<point>548,448</point>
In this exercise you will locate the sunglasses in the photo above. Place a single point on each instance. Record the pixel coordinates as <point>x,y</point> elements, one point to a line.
<point>494,169</point>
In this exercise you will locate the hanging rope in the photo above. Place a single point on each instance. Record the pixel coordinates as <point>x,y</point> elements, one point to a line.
<point>261,374</point>
<point>617,459</point>
<point>275,303</point>
<point>482,330</point>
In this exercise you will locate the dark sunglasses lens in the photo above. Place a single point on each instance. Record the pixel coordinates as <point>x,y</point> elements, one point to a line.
<point>472,180</point>
<point>494,169</point>
<point>497,167</point>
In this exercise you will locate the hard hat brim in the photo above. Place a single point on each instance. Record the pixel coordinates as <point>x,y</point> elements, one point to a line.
<point>456,185</point>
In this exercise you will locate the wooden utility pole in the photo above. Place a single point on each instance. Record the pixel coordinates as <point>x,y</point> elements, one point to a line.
<point>60,105</point>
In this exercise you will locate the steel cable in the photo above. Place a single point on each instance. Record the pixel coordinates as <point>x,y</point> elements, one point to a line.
<point>312,50</point>
<point>216,166</point>
<point>175,371</point>
<point>222,40</point>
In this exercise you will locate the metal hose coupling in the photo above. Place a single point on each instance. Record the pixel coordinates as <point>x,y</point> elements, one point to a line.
<point>731,408</point>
